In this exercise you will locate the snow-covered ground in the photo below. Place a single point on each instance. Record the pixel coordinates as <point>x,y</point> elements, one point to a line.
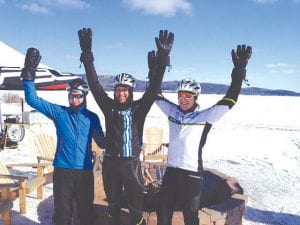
<point>257,142</point>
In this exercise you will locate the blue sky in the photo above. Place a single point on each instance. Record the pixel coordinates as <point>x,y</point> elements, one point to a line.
<point>124,30</point>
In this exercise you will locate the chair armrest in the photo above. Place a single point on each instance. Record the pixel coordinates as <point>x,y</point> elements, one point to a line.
<point>32,165</point>
<point>9,185</point>
<point>14,177</point>
<point>45,158</point>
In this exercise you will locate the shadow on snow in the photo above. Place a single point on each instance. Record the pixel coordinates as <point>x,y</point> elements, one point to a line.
<point>271,217</point>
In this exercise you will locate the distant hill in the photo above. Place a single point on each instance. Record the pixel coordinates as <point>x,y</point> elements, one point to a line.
<point>207,88</point>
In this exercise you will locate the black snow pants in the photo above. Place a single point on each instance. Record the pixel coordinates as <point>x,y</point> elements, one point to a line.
<point>69,186</point>
<point>180,188</point>
<point>122,177</point>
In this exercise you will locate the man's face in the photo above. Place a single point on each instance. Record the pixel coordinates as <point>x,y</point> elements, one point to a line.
<point>122,94</point>
<point>186,100</point>
<point>75,98</point>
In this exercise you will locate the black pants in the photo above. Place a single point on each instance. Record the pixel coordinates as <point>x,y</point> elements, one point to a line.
<point>180,188</point>
<point>123,176</point>
<point>70,185</point>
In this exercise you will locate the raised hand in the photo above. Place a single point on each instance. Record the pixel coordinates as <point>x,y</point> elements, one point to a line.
<point>151,64</point>
<point>151,60</point>
<point>164,45</point>
<point>241,56</point>
<point>240,59</point>
<point>85,39</point>
<point>32,60</point>
<point>164,42</point>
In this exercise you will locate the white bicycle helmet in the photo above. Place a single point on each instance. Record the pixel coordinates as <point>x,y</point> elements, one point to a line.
<point>78,85</point>
<point>189,85</point>
<point>124,79</point>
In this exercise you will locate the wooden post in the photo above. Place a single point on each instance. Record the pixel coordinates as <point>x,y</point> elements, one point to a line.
<point>7,218</point>
<point>40,188</point>
<point>22,197</point>
<point>5,195</point>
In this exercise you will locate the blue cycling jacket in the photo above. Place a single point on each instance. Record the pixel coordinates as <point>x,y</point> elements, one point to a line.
<point>74,130</point>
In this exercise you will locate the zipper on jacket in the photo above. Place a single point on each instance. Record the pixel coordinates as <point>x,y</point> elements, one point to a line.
<point>76,141</point>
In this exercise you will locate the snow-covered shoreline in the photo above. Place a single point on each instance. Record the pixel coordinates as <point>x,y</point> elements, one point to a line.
<point>257,142</point>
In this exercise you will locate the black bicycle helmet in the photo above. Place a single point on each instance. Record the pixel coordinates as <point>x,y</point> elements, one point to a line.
<point>78,85</point>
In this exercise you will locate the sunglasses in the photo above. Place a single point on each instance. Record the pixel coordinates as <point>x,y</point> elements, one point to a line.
<point>76,96</point>
<point>186,95</point>
<point>121,89</point>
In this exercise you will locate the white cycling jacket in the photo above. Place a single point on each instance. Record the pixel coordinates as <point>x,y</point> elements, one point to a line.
<point>188,132</point>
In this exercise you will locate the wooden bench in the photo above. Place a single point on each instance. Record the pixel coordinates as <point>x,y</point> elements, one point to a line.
<point>19,186</point>
<point>34,183</point>
<point>154,149</point>
<point>97,169</point>
<point>46,147</point>
<point>5,214</point>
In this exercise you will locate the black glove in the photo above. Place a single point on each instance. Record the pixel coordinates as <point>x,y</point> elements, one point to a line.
<point>85,41</point>
<point>240,59</point>
<point>151,60</point>
<point>164,45</point>
<point>32,61</point>
<point>151,64</point>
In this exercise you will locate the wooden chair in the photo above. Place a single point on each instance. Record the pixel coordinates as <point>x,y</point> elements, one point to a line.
<point>19,186</point>
<point>5,206</point>
<point>99,193</point>
<point>46,146</point>
<point>154,149</point>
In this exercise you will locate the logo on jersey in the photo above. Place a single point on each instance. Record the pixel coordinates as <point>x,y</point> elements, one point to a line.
<point>173,120</point>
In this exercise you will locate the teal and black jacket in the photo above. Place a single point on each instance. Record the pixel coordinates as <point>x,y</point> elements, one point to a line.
<point>124,125</point>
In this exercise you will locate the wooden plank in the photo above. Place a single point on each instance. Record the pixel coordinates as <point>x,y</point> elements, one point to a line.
<point>33,183</point>
<point>5,206</point>
<point>5,213</point>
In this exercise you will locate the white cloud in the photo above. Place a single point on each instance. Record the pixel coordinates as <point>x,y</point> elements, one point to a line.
<point>265,1</point>
<point>45,6</point>
<point>73,4</point>
<point>71,56</point>
<point>282,68</point>
<point>160,7</point>
<point>276,65</point>
<point>35,8</point>
<point>271,1</point>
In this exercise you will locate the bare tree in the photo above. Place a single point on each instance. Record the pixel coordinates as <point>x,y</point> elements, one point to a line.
<point>11,98</point>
